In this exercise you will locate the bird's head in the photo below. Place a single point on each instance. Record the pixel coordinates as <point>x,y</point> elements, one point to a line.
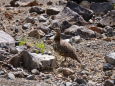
<point>57,30</point>
<point>58,34</point>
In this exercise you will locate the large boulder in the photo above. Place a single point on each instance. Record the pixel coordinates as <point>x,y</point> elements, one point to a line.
<point>6,39</point>
<point>70,17</point>
<point>85,13</point>
<point>31,61</point>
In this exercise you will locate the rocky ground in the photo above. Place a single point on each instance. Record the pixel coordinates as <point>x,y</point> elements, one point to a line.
<point>27,31</point>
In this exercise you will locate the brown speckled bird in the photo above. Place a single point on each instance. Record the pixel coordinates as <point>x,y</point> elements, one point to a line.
<point>64,48</point>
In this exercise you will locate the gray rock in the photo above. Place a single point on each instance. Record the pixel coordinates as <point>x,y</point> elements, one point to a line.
<point>15,28</point>
<point>23,3</point>
<point>109,31</point>
<point>24,59</point>
<point>46,84</point>
<point>20,74</point>
<point>109,83</point>
<point>70,16</point>
<point>21,48</point>
<point>35,71</point>
<point>81,31</point>
<point>68,40</point>
<point>85,13</point>
<point>13,3</point>
<point>85,4</point>
<point>75,39</point>
<point>62,2</point>
<point>49,3</point>
<point>30,77</point>
<point>30,20</point>
<point>84,72</point>
<point>2,72</point>
<point>64,25</point>
<point>13,50</point>
<point>108,73</point>
<point>107,66</point>
<point>110,58</point>
<point>11,76</point>
<point>66,71</point>
<point>26,26</point>
<point>6,39</point>
<point>52,11</point>
<point>37,10</point>
<point>42,19</point>
<point>48,52</point>
<point>72,30</point>
<point>36,33</point>
<point>47,61</point>
<point>101,8</point>
<point>2,57</point>
<point>45,29</point>
<point>112,1</point>
<point>68,84</point>
<point>33,61</point>
<point>86,33</point>
<point>91,83</point>
<point>55,24</point>
<point>108,19</point>
<point>2,26</point>
<point>75,84</point>
<point>82,85</point>
<point>81,81</point>
<point>27,3</point>
<point>113,78</point>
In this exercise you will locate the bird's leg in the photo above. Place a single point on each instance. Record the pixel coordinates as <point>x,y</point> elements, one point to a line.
<point>64,60</point>
<point>62,63</point>
<point>56,55</point>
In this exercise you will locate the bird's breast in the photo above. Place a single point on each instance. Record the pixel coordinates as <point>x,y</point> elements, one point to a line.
<point>59,49</point>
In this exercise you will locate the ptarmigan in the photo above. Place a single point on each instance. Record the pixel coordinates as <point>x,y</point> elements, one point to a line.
<point>63,47</point>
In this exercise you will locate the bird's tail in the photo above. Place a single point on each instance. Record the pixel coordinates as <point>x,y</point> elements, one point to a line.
<point>77,59</point>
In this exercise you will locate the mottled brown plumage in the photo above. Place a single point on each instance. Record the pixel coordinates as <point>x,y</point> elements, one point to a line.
<point>64,48</point>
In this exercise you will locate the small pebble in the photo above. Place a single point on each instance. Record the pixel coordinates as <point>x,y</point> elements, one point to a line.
<point>11,76</point>
<point>30,77</point>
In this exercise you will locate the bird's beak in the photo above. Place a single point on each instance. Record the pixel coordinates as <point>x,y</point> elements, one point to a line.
<point>57,30</point>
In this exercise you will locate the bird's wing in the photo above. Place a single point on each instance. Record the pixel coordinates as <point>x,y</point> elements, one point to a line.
<point>69,50</point>
<point>66,47</point>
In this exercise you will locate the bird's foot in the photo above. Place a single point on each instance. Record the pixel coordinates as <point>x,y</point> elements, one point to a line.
<point>82,66</point>
<point>63,64</point>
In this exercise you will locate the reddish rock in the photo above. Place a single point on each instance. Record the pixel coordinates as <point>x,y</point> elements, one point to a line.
<point>97,29</point>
